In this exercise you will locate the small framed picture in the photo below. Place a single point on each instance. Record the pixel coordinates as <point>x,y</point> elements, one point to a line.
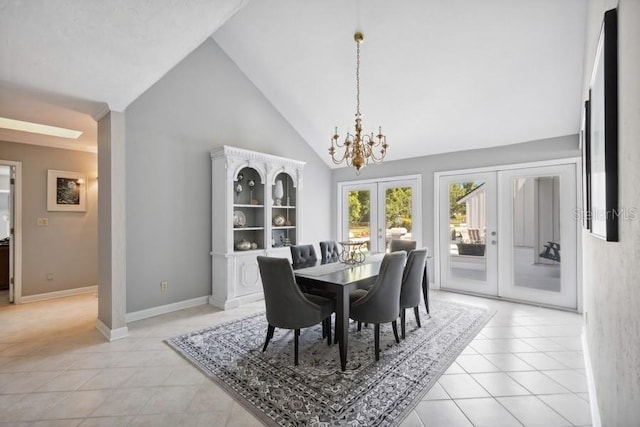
<point>66,191</point>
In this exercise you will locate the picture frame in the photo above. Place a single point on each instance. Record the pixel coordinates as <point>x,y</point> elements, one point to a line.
<point>603,133</point>
<point>66,191</point>
<point>586,167</point>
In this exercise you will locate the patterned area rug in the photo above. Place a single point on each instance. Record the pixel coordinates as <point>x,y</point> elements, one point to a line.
<point>317,392</point>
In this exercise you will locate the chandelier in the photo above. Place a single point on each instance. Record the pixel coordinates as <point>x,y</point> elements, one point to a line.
<point>358,149</point>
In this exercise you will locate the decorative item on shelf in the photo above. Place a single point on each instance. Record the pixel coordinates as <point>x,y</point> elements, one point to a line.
<point>279,220</point>
<point>288,201</point>
<point>287,241</point>
<point>278,193</point>
<point>358,148</point>
<point>243,245</point>
<point>239,219</point>
<point>251,183</point>
<point>287,223</point>
<point>254,245</point>
<point>238,191</point>
<point>352,252</point>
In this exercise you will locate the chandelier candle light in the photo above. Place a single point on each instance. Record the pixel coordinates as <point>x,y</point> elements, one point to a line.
<point>358,149</point>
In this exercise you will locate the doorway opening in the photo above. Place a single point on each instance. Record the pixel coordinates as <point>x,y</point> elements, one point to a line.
<point>10,232</point>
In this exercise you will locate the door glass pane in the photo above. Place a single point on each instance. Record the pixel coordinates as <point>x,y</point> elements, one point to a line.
<point>397,214</point>
<point>359,202</point>
<point>467,230</point>
<point>536,232</point>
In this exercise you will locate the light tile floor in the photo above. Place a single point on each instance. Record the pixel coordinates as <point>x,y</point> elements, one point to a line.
<point>524,368</point>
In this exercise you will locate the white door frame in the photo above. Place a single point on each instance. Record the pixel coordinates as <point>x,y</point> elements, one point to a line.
<point>416,212</point>
<point>571,160</point>
<point>17,230</point>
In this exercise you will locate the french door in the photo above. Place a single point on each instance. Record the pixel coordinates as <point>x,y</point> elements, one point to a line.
<point>511,233</point>
<point>468,233</point>
<point>378,211</point>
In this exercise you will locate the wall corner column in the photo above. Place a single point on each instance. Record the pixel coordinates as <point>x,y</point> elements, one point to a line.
<point>112,289</point>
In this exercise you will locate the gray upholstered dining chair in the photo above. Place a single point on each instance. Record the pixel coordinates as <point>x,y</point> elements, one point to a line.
<point>402,245</point>
<point>380,304</point>
<point>287,307</point>
<point>412,285</point>
<point>303,255</point>
<point>329,251</point>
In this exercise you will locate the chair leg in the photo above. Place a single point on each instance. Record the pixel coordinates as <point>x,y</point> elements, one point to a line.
<point>324,328</point>
<point>359,326</point>
<point>269,336</point>
<point>295,346</point>
<point>402,319</point>
<point>376,333</point>
<point>394,325</point>
<point>417,313</point>
<point>328,321</point>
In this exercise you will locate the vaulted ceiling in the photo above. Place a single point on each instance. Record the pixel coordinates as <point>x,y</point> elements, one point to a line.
<point>65,62</point>
<point>437,76</point>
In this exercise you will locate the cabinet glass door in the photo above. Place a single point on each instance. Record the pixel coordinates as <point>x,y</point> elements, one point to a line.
<point>283,212</point>
<point>248,211</point>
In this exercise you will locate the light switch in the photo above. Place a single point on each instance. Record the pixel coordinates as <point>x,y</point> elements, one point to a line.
<point>43,222</point>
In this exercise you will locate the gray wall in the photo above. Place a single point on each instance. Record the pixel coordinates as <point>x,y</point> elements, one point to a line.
<point>204,102</point>
<point>554,148</point>
<point>67,247</point>
<point>611,270</point>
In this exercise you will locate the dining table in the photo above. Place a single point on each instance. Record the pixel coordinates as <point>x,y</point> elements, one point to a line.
<point>340,280</point>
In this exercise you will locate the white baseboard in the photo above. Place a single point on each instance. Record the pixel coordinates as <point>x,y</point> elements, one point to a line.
<point>593,401</point>
<point>59,294</point>
<point>164,309</point>
<point>111,334</point>
<point>235,302</point>
<point>223,304</point>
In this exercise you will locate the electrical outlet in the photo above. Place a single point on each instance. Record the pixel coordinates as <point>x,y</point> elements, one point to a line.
<point>42,222</point>
<point>49,276</point>
<point>164,285</point>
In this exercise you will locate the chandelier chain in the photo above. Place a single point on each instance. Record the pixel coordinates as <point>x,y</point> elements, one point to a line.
<point>358,78</point>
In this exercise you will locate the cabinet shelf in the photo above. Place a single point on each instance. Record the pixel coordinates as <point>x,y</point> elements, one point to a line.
<point>283,207</point>
<point>247,206</point>
<point>284,227</point>
<point>249,251</point>
<point>247,228</point>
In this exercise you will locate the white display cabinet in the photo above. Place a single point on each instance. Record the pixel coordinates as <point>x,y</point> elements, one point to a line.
<point>256,211</point>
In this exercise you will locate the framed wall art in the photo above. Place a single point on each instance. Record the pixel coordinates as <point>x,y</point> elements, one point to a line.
<point>603,133</point>
<point>66,191</point>
<point>586,167</point>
